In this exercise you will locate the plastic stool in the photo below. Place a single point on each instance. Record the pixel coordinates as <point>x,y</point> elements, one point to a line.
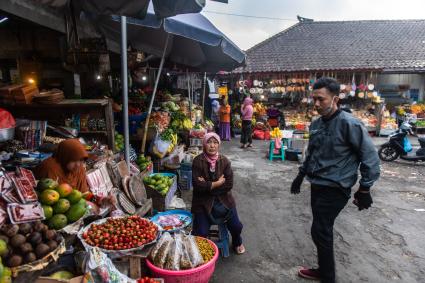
<point>223,239</point>
<point>281,153</point>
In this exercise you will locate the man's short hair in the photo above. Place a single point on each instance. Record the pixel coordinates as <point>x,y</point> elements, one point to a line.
<point>330,84</point>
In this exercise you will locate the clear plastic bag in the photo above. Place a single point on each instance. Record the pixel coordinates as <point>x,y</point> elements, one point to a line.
<point>193,251</point>
<point>162,145</point>
<point>102,270</point>
<point>185,262</point>
<point>174,255</point>
<point>159,253</point>
<point>161,241</point>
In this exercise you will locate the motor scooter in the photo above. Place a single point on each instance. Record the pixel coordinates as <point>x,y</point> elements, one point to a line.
<point>399,146</point>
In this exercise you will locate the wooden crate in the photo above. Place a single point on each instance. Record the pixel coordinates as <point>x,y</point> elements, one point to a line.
<point>160,202</point>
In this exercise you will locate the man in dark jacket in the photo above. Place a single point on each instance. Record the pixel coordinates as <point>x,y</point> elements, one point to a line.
<point>339,146</point>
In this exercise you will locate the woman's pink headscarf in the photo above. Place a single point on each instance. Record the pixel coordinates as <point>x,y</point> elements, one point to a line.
<point>248,101</point>
<point>212,159</point>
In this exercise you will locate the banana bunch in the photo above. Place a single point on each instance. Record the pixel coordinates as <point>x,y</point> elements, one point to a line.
<point>401,111</point>
<point>187,124</point>
<point>174,139</point>
<point>173,144</point>
<point>181,124</point>
<point>276,133</point>
<point>260,108</point>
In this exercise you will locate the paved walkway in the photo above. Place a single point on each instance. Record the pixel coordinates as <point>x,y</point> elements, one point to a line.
<point>382,244</point>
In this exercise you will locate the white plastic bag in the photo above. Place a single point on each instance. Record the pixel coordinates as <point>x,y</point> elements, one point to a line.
<point>103,270</point>
<point>193,250</point>
<point>162,146</point>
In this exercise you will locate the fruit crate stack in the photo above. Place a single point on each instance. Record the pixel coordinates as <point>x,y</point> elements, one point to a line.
<point>185,176</point>
<point>194,142</point>
<point>161,197</point>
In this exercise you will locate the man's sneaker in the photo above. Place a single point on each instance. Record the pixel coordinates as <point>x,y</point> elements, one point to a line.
<point>309,273</point>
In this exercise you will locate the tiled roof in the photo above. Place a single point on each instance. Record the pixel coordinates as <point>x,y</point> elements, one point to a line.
<point>344,45</point>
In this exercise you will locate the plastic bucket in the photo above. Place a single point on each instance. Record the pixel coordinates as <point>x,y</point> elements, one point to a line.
<point>201,274</point>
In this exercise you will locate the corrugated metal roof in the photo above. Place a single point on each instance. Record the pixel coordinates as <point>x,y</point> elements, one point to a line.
<point>341,45</point>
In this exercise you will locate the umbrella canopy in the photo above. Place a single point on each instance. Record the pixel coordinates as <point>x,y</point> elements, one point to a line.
<point>194,41</point>
<point>137,9</point>
<point>131,8</point>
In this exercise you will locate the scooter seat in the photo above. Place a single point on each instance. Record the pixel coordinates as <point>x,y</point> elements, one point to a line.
<point>421,142</point>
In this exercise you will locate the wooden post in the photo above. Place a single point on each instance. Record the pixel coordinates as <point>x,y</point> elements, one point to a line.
<point>135,267</point>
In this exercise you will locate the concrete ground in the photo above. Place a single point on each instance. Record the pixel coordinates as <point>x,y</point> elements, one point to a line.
<point>382,244</point>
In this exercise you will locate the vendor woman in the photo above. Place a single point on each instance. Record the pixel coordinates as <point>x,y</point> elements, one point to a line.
<point>66,165</point>
<point>212,202</point>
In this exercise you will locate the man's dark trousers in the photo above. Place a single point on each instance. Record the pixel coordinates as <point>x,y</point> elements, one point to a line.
<point>326,204</point>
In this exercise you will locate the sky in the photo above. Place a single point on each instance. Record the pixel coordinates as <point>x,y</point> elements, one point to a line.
<point>246,32</point>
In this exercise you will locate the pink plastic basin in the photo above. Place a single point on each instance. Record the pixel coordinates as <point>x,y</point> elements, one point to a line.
<point>201,274</point>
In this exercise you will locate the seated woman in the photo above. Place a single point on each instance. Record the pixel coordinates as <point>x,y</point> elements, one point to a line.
<point>212,202</point>
<point>66,165</point>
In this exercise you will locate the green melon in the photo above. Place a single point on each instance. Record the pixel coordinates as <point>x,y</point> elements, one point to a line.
<point>49,197</point>
<point>46,184</point>
<point>58,221</point>
<point>61,206</point>
<point>48,211</point>
<point>74,196</point>
<point>76,211</point>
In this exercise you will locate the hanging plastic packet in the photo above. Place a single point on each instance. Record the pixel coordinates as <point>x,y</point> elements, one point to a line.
<point>185,262</point>
<point>158,245</point>
<point>193,251</point>
<point>173,259</point>
<point>161,255</point>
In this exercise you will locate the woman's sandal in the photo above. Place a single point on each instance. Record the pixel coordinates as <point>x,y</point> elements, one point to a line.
<point>240,250</point>
<point>250,145</point>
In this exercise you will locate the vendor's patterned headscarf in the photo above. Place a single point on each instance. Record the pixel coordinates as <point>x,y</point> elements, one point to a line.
<point>212,159</point>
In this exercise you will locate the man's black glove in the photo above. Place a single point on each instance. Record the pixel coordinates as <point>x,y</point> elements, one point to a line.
<point>296,184</point>
<point>362,199</point>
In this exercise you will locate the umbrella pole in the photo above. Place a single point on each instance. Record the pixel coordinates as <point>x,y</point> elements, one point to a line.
<point>203,96</point>
<point>124,81</point>
<point>161,65</point>
<point>188,94</point>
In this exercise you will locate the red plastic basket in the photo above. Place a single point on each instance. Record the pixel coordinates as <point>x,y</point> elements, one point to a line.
<point>300,127</point>
<point>201,274</point>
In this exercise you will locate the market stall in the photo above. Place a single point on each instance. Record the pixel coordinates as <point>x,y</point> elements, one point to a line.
<point>290,96</point>
<point>42,215</point>
<point>108,227</point>
<point>136,189</point>
<point>412,113</point>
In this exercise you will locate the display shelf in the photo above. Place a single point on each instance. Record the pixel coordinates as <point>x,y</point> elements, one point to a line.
<point>94,132</point>
<point>59,112</point>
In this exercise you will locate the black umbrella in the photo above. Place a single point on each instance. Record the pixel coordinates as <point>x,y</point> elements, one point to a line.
<point>189,39</point>
<point>130,8</point>
<point>136,9</point>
